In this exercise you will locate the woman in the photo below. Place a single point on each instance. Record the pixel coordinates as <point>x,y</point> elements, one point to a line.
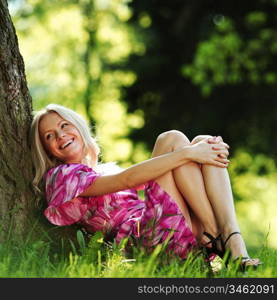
<point>188,197</point>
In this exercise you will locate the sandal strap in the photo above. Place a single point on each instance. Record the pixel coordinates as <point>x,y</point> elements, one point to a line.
<point>243,258</point>
<point>212,238</point>
<point>231,234</point>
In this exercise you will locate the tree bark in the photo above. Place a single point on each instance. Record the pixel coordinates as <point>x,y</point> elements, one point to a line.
<point>16,196</point>
<point>20,217</point>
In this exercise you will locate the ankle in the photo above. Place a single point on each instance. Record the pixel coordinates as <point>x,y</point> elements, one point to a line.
<point>235,243</point>
<point>214,233</point>
<point>211,229</point>
<point>229,229</point>
<point>211,232</point>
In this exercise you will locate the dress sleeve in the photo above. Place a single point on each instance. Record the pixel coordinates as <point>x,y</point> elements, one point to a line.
<point>63,185</point>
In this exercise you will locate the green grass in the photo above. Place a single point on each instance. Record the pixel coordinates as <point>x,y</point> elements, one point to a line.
<point>95,258</point>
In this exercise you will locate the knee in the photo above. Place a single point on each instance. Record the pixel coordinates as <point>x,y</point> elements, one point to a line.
<point>199,138</point>
<point>173,138</point>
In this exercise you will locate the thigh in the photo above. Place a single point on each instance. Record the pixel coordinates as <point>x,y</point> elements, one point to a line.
<point>168,142</point>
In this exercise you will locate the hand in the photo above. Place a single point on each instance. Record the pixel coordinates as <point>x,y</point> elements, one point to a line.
<point>218,140</point>
<point>214,153</point>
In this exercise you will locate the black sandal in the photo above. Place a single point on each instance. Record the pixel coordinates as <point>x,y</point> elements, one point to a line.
<point>243,259</point>
<point>243,266</point>
<point>213,241</point>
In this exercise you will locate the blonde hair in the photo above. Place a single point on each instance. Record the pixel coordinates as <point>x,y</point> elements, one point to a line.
<point>41,160</point>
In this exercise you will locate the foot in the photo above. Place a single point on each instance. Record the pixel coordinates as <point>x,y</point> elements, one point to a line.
<point>235,244</point>
<point>212,243</point>
<point>247,262</point>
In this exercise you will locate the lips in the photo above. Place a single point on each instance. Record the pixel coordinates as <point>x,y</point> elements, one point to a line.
<point>66,144</point>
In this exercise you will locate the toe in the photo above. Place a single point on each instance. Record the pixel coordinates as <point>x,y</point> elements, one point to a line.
<point>248,262</point>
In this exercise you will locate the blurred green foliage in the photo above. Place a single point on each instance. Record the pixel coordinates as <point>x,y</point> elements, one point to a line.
<point>74,53</point>
<point>254,182</point>
<point>227,58</point>
<point>137,68</point>
<point>208,68</point>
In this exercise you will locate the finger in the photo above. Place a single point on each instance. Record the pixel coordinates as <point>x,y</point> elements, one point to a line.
<point>222,160</point>
<point>218,164</point>
<point>219,138</point>
<point>224,145</point>
<point>212,140</point>
<point>220,148</point>
<point>224,152</point>
<point>217,148</point>
<point>215,140</point>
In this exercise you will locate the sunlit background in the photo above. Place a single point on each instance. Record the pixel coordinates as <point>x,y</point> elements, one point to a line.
<point>136,68</point>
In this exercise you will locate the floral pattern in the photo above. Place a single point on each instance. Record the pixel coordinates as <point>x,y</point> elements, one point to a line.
<point>154,220</point>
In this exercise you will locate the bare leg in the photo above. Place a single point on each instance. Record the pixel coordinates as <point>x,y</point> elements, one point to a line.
<point>218,187</point>
<point>186,184</point>
<point>219,191</point>
<point>190,183</point>
<point>167,182</point>
<point>207,191</point>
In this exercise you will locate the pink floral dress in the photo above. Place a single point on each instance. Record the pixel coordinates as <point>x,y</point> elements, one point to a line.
<point>120,214</point>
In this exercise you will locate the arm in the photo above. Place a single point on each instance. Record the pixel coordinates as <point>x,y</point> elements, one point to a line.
<point>152,168</point>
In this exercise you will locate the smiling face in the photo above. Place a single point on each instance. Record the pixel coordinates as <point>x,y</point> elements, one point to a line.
<point>61,139</point>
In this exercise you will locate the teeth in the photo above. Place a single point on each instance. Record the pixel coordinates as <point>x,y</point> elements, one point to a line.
<point>66,144</point>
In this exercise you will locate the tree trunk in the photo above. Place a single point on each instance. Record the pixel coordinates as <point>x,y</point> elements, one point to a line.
<point>19,215</point>
<point>16,196</point>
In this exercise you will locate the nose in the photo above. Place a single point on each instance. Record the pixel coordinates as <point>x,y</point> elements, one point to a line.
<point>60,134</point>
